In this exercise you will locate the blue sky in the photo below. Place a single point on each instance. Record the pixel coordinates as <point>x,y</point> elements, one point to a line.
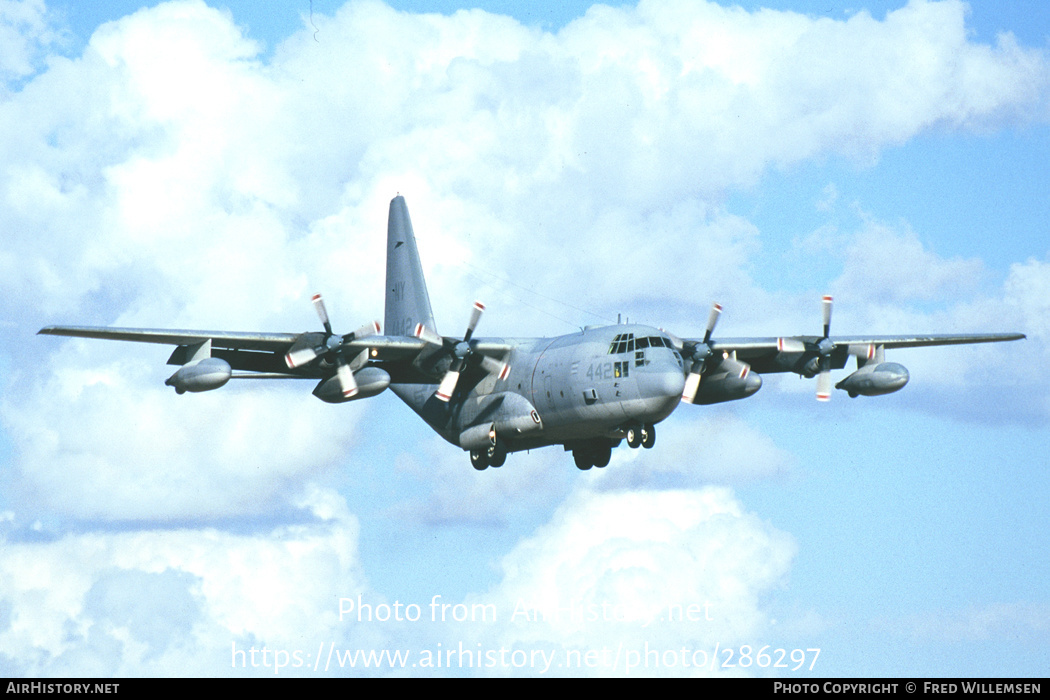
<point>212,166</point>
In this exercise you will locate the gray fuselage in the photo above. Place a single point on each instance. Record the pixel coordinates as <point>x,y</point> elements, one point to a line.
<point>563,390</point>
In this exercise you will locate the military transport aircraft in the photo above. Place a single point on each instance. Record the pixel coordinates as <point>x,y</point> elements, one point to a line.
<point>586,391</point>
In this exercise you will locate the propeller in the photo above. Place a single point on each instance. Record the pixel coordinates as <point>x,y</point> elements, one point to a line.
<point>700,354</point>
<point>824,349</point>
<point>461,353</point>
<point>331,347</point>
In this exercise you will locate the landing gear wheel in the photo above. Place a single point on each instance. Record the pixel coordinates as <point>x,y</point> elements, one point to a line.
<point>602,455</point>
<point>479,459</point>
<point>648,436</point>
<point>582,457</point>
<point>634,437</point>
<point>496,455</point>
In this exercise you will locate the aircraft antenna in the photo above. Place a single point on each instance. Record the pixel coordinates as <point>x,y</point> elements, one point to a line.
<point>535,293</point>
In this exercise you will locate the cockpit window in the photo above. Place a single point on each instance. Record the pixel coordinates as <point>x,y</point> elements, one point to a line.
<point>626,342</point>
<point>622,343</point>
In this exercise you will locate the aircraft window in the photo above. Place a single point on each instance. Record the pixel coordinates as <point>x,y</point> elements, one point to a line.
<point>622,343</point>
<point>639,358</point>
<point>642,343</point>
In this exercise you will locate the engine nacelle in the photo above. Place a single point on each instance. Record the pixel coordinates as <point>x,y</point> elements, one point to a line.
<point>208,374</point>
<point>732,380</point>
<point>875,380</point>
<point>370,381</point>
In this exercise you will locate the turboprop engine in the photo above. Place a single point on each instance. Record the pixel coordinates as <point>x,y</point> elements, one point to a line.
<point>713,378</point>
<point>730,381</point>
<point>208,374</point>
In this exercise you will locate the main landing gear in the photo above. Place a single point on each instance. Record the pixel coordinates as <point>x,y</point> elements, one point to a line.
<point>598,453</point>
<point>592,454</point>
<point>492,456</point>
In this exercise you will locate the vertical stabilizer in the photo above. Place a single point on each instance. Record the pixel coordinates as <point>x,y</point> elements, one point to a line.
<point>407,301</point>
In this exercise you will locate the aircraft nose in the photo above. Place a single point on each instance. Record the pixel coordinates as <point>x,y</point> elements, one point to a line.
<point>666,383</point>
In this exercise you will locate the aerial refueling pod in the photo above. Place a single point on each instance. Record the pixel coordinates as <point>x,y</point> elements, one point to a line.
<point>370,381</point>
<point>731,380</point>
<point>875,380</point>
<point>208,374</point>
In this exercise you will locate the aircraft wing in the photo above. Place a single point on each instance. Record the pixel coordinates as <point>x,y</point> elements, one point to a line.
<point>255,352</point>
<point>265,352</point>
<point>266,342</point>
<point>770,355</point>
<point>760,346</point>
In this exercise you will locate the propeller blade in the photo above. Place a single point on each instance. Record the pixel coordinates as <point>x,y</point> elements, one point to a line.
<point>677,342</point>
<point>790,345</point>
<point>712,320</point>
<point>824,386</point>
<point>424,333</point>
<point>692,385</point>
<point>825,304</point>
<point>366,331</point>
<point>448,385</point>
<point>475,316</point>
<point>346,380</point>
<point>493,366</point>
<point>322,313</point>
<point>300,357</point>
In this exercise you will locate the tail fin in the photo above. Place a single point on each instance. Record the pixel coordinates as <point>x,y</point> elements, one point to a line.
<point>407,301</point>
